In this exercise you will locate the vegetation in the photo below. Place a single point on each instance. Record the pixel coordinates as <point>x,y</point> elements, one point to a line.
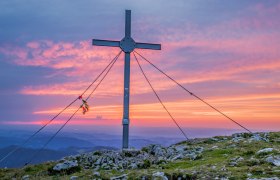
<point>222,157</point>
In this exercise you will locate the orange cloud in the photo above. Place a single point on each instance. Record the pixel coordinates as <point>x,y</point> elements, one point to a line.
<point>250,110</point>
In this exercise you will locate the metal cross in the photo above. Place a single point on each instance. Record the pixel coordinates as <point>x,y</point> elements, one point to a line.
<point>127,44</point>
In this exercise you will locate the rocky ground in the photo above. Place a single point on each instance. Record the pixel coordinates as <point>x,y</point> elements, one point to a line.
<point>240,156</point>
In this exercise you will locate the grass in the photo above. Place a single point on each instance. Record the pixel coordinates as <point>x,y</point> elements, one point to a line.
<point>214,162</point>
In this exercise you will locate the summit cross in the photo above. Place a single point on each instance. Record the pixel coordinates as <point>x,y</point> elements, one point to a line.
<point>127,44</point>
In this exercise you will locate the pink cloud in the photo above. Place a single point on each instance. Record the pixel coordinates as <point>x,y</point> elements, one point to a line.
<point>243,50</point>
<point>82,56</point>
<point>33,45</point>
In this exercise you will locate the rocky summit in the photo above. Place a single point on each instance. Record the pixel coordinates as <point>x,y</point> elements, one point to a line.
<point>240,156</point>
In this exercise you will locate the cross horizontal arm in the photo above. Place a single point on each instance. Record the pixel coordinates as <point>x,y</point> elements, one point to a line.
<point>99,42</point>
<point>148,46</point>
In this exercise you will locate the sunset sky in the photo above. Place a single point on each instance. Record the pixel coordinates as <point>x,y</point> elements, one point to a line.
<point>226,52</point>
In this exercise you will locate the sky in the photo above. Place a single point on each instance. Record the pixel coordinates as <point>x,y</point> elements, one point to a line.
<point>226,52</point>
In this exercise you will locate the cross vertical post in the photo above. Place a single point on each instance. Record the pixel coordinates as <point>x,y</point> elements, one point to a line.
<point>126,100</point>
<point>126,82</point>
<point>127,44</point>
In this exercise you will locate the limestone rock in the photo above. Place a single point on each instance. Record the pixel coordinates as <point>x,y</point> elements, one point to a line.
<point>237,137</point>
<point>97,174</point>
<point>121,177</point>
<point>235,161</point>
<point>74,178</point>
<point>275,160</point>
<point>214,147</point>
<point>181,148</point>
<point>159,175</point>
<point>270,178</point>
<point>265,150</point>
<point>258,137</point>
<point>179,156</point>
<point>133,159</point>
<point>65,165</point>
<point>25,177</point>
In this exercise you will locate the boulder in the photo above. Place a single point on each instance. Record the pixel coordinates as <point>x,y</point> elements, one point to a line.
<point>258,137</point>
<point>156,150</point>
<point>192,156</point>
<point>65,165</point>
<point>25,177</point>
<point>275,160</point>
<point>181,148</point>
<point>270,178</point>
<point>159,151</point>
<point>178,156</point>
<point>265,150</point>
<point>97,174</point>
<point>235,161</point>
<point>237,137</point>
<point>199,149</point>
<point>74,178</point>
<point>214,147</point>
<point>98,161</point>
<point>121,177</point>
<point>159,175</point>
<point>169,151</point>
<point>133,166</point>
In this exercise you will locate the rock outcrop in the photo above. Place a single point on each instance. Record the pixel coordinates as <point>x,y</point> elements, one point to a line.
<point>240,156</point>
<point>133,159</point>
<point>275,160</point>
<point>65,165</point>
